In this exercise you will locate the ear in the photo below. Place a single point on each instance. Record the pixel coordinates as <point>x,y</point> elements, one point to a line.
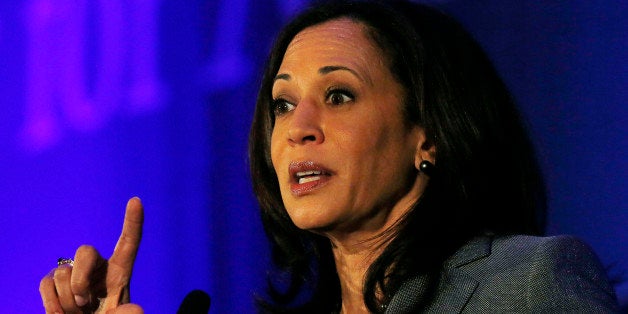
<point>425,149</point>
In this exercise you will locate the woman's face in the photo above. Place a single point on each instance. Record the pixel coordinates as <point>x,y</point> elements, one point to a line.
<point>342,153</point>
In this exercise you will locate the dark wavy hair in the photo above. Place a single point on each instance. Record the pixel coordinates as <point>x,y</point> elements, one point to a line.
<point>486,178</point>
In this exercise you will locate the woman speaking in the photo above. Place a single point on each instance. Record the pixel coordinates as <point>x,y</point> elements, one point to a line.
<point>394,175</point>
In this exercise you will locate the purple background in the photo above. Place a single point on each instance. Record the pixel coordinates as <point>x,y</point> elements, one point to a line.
<point>104,100</point>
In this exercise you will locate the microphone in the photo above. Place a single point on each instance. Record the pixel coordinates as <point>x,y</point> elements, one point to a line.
<point>195,302</point>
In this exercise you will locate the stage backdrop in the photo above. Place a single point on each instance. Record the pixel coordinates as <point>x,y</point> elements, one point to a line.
<point>103,100</point>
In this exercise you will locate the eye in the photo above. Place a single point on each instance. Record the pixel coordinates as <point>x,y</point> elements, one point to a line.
<point>339,96</point>
<point>281,107</point>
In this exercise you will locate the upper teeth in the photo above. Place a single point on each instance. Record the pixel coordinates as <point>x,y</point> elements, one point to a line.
<point>307,173</point>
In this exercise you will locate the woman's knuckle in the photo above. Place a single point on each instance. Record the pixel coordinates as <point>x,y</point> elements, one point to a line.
<point>62,272</point>
<point>85,250</point>
<point>45,284</point>
<point>78,284</point>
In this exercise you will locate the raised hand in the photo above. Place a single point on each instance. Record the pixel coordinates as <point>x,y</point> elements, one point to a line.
<point>94,284</point>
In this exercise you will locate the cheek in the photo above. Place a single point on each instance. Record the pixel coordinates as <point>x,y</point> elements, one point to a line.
<point>274,155</point>
<point>370,137</point>
<point>276,150</point>
<point>383,150</point>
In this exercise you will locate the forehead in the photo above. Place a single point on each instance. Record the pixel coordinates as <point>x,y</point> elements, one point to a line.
<point>336,42</point>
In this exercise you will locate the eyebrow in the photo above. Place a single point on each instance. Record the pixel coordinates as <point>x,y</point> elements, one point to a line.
<point>282,76</point>
<point>324,70</point>
<point>331,68</point>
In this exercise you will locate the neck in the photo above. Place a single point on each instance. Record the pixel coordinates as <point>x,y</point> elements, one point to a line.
<point>353,258</point>
<point>356,249</point>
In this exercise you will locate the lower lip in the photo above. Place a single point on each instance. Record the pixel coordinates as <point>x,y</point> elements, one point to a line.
<point>305,188</point>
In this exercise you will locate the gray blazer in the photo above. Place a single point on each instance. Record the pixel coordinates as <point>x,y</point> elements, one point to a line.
<point>515,274</point>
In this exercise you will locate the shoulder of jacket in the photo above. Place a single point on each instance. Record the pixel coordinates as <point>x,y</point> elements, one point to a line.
<point>534,246</point>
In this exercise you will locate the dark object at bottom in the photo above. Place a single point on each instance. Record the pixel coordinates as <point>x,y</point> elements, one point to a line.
<point>196,302</point>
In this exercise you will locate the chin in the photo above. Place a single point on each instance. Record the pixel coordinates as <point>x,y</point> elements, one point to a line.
<point>310,219</point>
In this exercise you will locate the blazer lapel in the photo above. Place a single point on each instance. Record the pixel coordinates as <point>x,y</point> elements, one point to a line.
<point>455,287</point>
<point>409,296</point>
<point>454,292</point>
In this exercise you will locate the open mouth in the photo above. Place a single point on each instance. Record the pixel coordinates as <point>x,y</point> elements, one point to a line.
<point>307,176</point>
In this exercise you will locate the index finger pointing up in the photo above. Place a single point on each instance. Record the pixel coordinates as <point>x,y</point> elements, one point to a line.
<point>126,249</point>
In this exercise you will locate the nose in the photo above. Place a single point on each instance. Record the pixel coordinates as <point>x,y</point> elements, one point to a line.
<point>305,125</point>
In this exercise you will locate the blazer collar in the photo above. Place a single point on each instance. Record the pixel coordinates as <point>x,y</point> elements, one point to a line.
<point>455,287</point>
<point>477,248</point>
